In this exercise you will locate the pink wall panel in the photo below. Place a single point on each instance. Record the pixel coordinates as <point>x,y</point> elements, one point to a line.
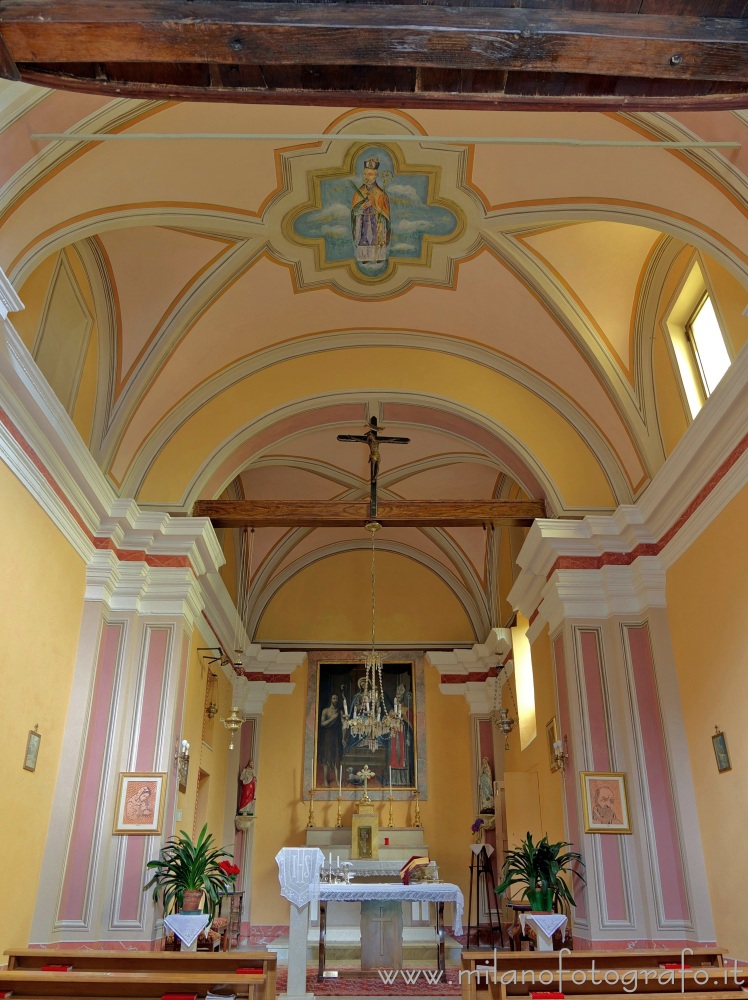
<point>592,672</point>
<point>150,708</point>
<point>81,850</point>
<point>669,860</point>
<point>570,790</point>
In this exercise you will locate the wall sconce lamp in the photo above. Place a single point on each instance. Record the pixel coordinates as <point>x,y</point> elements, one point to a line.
<point>215,654</point>
<point>211,709</point>
<point>182,758</point>
<point>561,753</point>
<point>234,723</point>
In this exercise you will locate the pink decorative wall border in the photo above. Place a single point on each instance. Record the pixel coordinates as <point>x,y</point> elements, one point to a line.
<point>590,652</point>
<point>655,768</point>
<point>80,860</point>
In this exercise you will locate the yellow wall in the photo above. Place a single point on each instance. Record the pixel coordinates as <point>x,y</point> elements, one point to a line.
<point>707,597</point>
<point>209,745</point>
<point>282,816</point>
<point>331,601</point>
<point>41,595</point>
<point>535,757</point>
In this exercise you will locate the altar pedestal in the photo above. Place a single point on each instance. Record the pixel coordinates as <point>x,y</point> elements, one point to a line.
<point>381,934</point>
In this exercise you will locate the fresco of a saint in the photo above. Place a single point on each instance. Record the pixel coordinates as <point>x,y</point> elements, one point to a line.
<point>370,217</point>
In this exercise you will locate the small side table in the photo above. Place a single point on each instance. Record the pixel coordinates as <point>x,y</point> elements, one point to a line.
<point>233,932</point>
<point>516,931</point>
<point>187,927</point>
<point>545,926</point>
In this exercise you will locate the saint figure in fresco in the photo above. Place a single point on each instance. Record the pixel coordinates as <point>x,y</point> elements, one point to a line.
<point>370,217</point>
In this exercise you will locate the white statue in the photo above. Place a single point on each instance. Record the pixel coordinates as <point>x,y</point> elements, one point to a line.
<point>485,787</point>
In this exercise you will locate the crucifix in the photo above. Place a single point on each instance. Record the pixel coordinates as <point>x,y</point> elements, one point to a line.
<point>373,439</point>
<point>365,774</point>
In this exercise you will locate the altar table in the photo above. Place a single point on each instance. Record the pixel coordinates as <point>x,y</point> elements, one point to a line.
<point>419,892</point>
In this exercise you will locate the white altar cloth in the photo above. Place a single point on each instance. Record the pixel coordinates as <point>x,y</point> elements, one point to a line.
<point>545,926</point>
<point>420,892</point>
<point>187,926</point>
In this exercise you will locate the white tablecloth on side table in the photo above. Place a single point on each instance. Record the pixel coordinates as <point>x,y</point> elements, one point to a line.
<point>187,926</point>
<point>545,926</point>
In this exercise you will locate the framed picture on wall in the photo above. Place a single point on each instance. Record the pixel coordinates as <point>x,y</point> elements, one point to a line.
<point>333,756</point>
<point>720,750</point>
<point>140,803</point>
<point>605,801</point>
<point>33,741</point>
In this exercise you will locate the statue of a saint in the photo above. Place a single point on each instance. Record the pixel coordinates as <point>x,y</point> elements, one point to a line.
<point>485,787</point>
<point>247,789</point>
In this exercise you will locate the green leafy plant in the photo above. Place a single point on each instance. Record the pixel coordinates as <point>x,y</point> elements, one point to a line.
<point>542,869</point>
<point>184,865</point>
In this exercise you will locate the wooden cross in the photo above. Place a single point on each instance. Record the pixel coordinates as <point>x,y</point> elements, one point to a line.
<point>373,440</point>
<point>382,919</point>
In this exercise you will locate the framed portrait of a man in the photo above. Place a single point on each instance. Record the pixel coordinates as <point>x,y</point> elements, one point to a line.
<point>605,802</point>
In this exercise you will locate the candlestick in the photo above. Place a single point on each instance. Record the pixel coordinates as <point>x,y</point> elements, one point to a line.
<point>310,821</point>
<point>390,821</point>
<point>338,819</point>
<point>417,814</point>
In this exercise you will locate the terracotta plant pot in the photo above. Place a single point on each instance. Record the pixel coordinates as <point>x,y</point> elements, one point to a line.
<point>191,899</point>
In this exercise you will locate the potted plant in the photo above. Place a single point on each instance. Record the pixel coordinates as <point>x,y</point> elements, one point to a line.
<point>542,869</point>
<point>188,871</point>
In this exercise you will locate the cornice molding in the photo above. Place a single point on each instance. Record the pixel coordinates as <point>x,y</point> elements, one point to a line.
<point>601,566</point>
<point>472,672</point>
<point>9,301</point>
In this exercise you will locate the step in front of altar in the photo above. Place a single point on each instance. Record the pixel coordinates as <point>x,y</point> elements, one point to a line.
<point>343,944</point>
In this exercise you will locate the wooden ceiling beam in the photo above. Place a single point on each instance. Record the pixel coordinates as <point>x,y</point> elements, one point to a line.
<point>238,32</point>
<point>346,513</point>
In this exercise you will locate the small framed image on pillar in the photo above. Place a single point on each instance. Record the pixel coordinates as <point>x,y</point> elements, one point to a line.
<point>605,801</point>
<point>140,803</point>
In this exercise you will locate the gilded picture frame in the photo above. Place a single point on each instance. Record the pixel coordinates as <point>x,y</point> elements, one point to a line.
<point>140,801</point>
<point>605,802</point>
<point>401,760</point>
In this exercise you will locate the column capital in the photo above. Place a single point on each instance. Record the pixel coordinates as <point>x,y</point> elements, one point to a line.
<point>9,300</point>
<point>470,672</point>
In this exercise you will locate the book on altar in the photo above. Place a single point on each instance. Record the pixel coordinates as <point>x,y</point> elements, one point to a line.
<point>410,866</point>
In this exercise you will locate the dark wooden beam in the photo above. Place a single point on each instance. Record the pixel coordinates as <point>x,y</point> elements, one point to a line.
<point>355,513</point>
<point>239,32</point>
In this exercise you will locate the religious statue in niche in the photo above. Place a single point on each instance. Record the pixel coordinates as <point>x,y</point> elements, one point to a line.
<point>247,789</point>
<point>485,787</point>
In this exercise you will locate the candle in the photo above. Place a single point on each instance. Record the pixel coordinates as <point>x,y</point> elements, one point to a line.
<point>340,785</point>
<point>338,861</point>
<point>390,779</point>
<point>329,860</point>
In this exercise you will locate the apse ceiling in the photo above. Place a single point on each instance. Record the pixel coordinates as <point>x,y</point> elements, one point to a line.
<point>213,312</point>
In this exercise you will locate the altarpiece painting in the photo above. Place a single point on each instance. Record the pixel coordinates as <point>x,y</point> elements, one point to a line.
<point>399,759</point>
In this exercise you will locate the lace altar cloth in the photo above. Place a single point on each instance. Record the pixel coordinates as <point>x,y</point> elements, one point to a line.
<point>298,873</point>
<point>187,926</point>
<point>423,892</point>
<point>545,923</point>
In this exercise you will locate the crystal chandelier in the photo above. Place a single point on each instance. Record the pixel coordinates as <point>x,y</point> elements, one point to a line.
<point>500,716</point>
<point>371,721</point>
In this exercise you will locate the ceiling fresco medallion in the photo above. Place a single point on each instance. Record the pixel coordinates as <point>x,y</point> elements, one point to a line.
<point>375,213</point>
<point>371,219</point>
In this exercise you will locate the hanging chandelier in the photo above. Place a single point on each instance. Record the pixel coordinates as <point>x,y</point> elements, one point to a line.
<point>500,716</point>
<point>370,720</point>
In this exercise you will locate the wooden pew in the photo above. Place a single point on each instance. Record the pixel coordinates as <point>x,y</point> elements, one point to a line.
<point>115,974</point>
<point>481,968</point>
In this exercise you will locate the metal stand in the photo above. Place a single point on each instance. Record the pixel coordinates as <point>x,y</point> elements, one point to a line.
<point>481,878</point>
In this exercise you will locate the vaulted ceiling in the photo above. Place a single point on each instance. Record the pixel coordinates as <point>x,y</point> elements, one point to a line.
<point>193,296</point>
